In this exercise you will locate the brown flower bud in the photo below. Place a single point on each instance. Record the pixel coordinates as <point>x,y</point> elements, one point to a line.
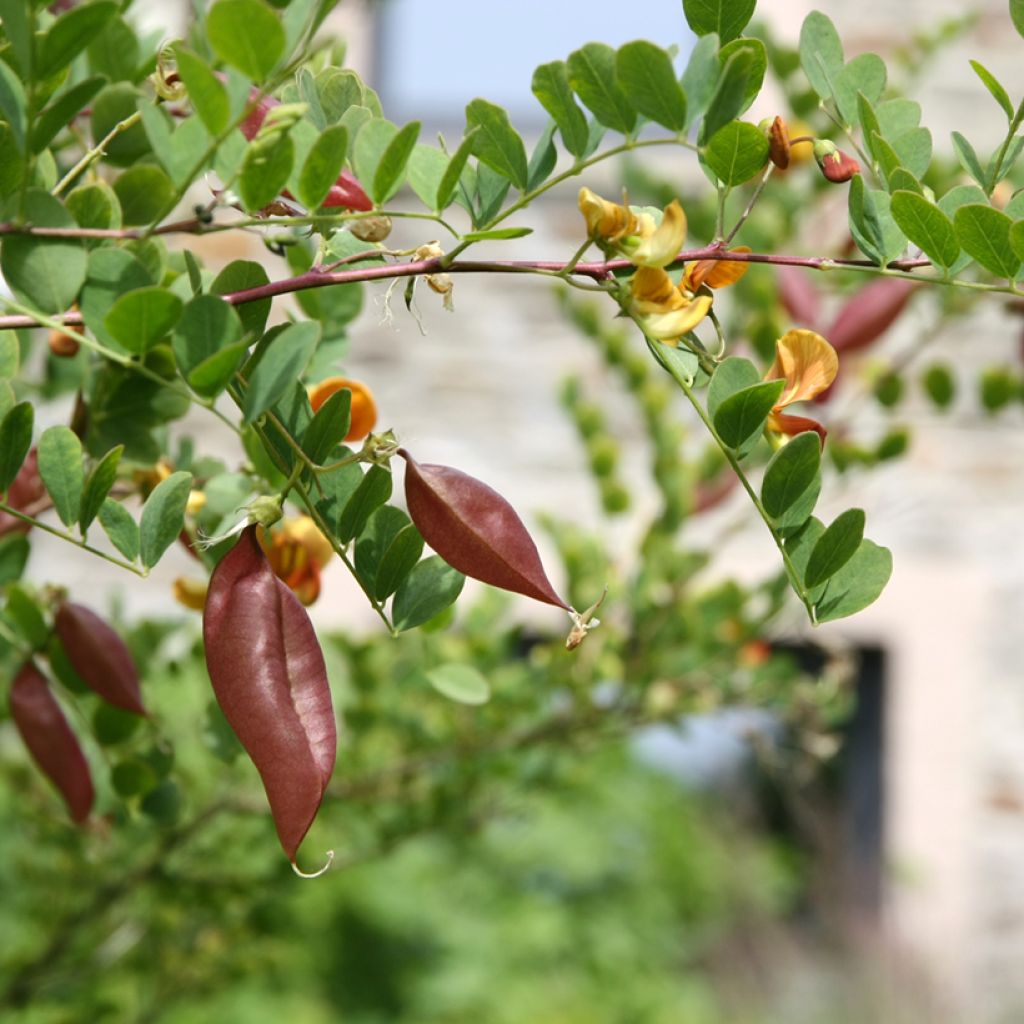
<point>63,345</point>
<point>778,142</point>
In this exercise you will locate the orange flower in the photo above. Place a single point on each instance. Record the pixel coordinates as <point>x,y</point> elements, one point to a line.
<point>715,273</point>
<point>297,552</point>
<point>808,364</point>
<point>637,235</point>
<point>363,410</point>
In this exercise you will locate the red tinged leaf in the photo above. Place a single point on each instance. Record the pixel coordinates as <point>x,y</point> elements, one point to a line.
<point>270,680</point>
<point>475,530</point>
<point>869,313</point>
<point>50,741</point>
<point>99,656</point>
<point>798,296</point>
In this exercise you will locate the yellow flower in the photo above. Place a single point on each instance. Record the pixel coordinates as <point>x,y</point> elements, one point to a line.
<point>661,246</point>
<point>636,235</point>
<point>808,364</point>
<point>715,273</point>
<point>667,311</point>
<point>606,222</point>
<point>297,551</point>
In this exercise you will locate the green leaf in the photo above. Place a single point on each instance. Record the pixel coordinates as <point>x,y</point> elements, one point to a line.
<point>645,73</point>
<point>10,355</point>
<point>700,79</point>
<point>62,110</point>
<point>727,18</point>
<point>756,70</point>
<point>680,363</point>
<point>163,516</point>
<point>1017,15</point>
<point>120,527</point>
<point>373,490</point>
<point>872,225</point>
<point>60,466</point>
<point>114,104</point>
<point>180,151</point>
<point>736,152</point>
<point>94,206</point>
<point>70,34</point>
<point>968,158</point>
<point>835,547</point>
<point>98,486</point>
<point>740,418</point>
<point>425,170</point>
<point>450,180</point>
<point>865,74</point>
<point>240,276</point>
<point>206,93</point>
<point>592,77</point>
<point>431,587</point>
<point>901,180</point>
<point>142,318</point>
<point>246,34</point>
<point>144,193</point>
<point>110,274</point>
<point>731,375</point>
<point>390,172</point>
<point>14,551</point>
<point>543,158</point>
<point>491,189</point>
<point>984,233</point>
<point>280,366</point>
<point>265,170</point>
<point>496,234</point>
<point>15,441</point>
<point>23,611</point>
<point>927,227</point>
<point>338,487</point>
<point>821,53</point>
<point>1017,238</point>
<point>886,158</point>
<point>897,116</point>
<point>868,120</point>
<point>730,96</point>
<point>551,87</point>
<point>992,84</point>
<point>386,551</point>
<point>14,14</point>
<point>207,328</point>
<point>914,149</point>
<point>496,143</point>
<point>328,427</point>
<point>461,683</point>
<point>792,482</point>
<point>322,166</point>
<point>857,584</point>
<point>115,52</point>
<point>44,273</point>
<point>369,147</point>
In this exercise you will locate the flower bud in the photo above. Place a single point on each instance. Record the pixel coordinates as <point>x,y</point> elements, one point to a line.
<point>63,345</point>
<point>836,165</point>
<point>778,143</point>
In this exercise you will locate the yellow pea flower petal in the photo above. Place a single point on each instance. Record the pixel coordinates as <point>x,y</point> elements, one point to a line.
<point>672,326</point>
<point>662,246</point>
<point>654,291</point>
<point>715,273</point>
<point>605,221</point>
<point>807,363</point>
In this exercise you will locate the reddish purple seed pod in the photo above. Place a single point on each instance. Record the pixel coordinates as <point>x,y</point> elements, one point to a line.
<point>869,313</point>
<point>475,530</point>
<point>269,677</point>
<point>99,656</point>
<point>50,741</point>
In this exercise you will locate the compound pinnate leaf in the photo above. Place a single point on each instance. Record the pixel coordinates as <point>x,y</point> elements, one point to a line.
<point>99,656</point>
<point>50,741</point>
<point>269,676</point>
<point>475,530</point>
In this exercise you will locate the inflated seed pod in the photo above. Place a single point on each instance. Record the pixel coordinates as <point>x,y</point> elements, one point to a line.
<point>99,656</point>
<point>269,677</point>
<point>475,530</point>
<point>50,741</point>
